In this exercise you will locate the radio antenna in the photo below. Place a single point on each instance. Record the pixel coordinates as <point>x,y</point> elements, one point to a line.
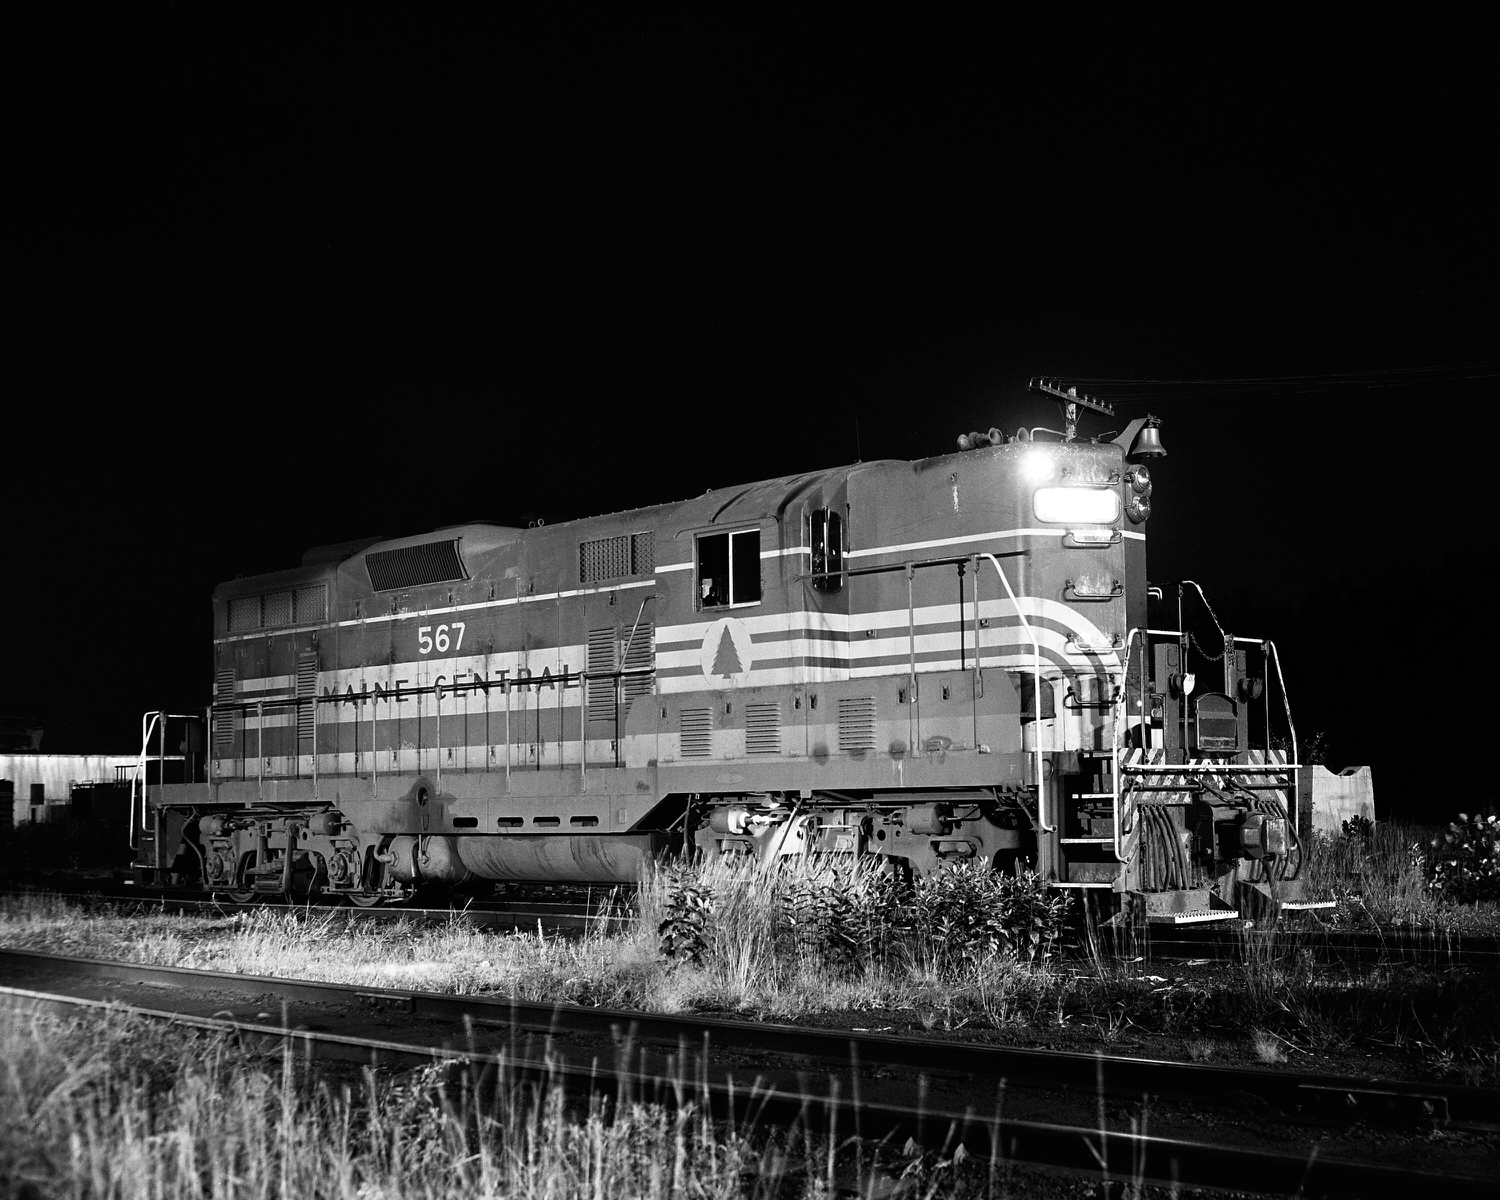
<point>1070,399</point>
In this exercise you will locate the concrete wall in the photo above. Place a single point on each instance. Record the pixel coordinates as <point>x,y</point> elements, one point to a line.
<point>55,772</point>
<point>1337,798</point>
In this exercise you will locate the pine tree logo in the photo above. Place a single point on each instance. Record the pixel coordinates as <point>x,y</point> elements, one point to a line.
<point>726,661</point>
<point>726,656</point>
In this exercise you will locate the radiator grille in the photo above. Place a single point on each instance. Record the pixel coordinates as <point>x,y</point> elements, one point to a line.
<point>616,557</point>
<point>857,723</point>
<point>604,558</point>
<point>307,690</point>
<point>763,728</point>
<point>305,606</point>
<point>276,608</point>
<point>697,727</point>
<point>413,566</point>
<point>312,605</point>
<point>643,552</point>
<point>244,614</point>
<point>224,718</point>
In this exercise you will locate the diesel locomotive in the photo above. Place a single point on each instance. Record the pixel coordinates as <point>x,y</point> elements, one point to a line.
<point>905,663</point>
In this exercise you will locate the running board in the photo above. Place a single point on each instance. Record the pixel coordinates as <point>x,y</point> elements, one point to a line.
<point>1288,896</point>
<point>1196,917</point>
<point>1195,906</point>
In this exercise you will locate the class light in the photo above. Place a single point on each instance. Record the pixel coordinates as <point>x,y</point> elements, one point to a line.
<point>1038,467</point>
<point>1077,505</point>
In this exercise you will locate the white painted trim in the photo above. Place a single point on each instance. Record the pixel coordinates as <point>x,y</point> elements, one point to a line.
<point>955,541</point>
<point>437,612</point>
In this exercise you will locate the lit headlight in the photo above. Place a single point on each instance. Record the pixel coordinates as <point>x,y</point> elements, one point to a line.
<point>1038,467</point>
<point>1077,505</point>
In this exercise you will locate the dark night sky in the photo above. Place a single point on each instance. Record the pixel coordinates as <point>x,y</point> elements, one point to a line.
<point>271,291</point>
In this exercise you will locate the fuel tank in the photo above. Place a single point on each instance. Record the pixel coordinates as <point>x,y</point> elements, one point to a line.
<point>584,858</point>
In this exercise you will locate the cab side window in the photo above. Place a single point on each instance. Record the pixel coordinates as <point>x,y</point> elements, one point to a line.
<point>729,569</point>
<point>827,550</point>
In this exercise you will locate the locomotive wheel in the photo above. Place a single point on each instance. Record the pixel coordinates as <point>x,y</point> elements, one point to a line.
<point>243,895</point>
<point>374,880</point>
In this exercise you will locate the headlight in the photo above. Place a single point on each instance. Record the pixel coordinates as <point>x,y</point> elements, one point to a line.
<point>1077,505</point>
<point>1139,478</point>
<point>1038,466</point>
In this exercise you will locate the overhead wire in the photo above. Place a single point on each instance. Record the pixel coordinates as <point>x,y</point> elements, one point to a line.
<point>1118,390</point>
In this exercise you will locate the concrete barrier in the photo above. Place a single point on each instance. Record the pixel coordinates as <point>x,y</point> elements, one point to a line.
<point>1334,799</point>
<point>54,774</point>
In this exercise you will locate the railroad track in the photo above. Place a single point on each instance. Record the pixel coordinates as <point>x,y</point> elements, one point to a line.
<point>1351,947</point>
<point>939,1093</point>
<point>1442,951</point>
<point>551,916</point>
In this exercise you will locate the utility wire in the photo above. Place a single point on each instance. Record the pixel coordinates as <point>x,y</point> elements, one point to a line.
<point>1120,391</point>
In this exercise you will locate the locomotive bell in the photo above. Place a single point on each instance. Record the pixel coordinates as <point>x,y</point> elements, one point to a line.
<point>1141,439</point>
<point>1148,444</point>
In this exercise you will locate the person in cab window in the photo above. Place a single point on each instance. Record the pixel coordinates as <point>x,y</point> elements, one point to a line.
<point>712,594</point>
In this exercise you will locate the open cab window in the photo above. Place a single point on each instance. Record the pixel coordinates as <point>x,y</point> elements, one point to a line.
<point>827,550</point>
<point>729,569</point>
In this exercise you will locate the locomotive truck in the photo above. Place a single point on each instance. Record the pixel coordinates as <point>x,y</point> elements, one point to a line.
<point>907,664</point>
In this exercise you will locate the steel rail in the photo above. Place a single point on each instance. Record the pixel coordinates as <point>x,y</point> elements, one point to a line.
<point>1091,1148</point>
<point>552,916</point>
<point>1297,1094</point>
<point>1449,949</point>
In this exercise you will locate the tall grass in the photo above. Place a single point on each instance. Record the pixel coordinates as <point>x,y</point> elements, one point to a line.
<point>112,1109</point>
<point>1382,876</point>
<point>966,950</point>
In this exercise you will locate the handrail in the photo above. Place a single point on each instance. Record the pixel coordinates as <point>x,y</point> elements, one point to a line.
<point>1212,616</point>
<point>1036,650</point>
<point>1286,706</point>
<point>374,758</point>
<point>1212,768</point>
<point>152,722</point>
<point>1122,700</point>
<point>148,723</point>
<point>260,749</point>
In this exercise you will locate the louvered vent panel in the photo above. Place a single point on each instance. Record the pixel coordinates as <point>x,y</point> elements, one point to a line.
<point>601,698</point>
<point>224,719</point>
<point>857,723</point>
<point>640,653</point>
<point>697,727</point>
<point>763,728</point>
<point>276,609</point>
<point>307,690</point>
<point>413,566</point>
<point>312,605</point>
<point>244,614</point>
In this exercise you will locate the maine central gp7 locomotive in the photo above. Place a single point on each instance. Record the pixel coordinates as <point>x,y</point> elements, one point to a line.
<point>905,663</point>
